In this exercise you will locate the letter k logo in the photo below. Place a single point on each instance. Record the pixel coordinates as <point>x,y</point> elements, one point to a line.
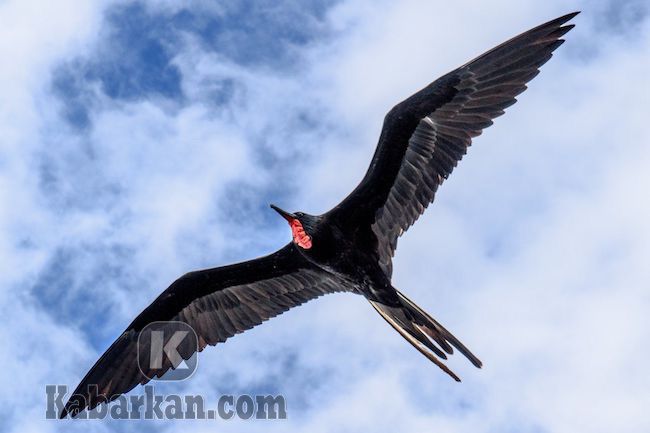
<point>167,351</point>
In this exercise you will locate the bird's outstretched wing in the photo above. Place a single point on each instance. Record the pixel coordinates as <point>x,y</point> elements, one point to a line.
<point>217,303</point>
<point>425,136</point>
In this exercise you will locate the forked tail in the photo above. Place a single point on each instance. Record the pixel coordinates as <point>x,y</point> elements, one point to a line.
<point>424,332</point>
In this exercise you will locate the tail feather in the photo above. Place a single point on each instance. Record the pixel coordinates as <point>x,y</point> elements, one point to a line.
<point>422,331</point>
<point>435,336</point>
<point>439,330</point>
<point>419,343</point>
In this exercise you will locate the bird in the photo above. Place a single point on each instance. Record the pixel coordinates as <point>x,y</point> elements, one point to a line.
<point>350,247</point>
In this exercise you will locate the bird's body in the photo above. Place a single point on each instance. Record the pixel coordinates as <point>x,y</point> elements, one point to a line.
<point>349,248</point>
<point>350,255</point>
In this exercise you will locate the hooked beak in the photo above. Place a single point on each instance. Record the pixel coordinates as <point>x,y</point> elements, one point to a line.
<point>286,215</point>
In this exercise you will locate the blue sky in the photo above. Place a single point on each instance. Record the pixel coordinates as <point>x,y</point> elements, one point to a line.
<point>143,139</point>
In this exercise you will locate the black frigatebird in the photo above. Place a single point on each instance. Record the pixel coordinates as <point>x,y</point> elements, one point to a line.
<point>349,248</point>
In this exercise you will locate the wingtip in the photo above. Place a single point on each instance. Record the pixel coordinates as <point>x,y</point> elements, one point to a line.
<point>568,17</point>
<point>571,16</point>
<point>71,409</point>
<point>68,411</point>
<point>559,21</point>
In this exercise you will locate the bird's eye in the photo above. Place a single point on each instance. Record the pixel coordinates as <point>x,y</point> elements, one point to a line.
<point>299,214</point>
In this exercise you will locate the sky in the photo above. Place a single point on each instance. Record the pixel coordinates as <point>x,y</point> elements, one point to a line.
<point>143,139</point>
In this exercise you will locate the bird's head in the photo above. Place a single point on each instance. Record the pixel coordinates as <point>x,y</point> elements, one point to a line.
<point>302,226</point>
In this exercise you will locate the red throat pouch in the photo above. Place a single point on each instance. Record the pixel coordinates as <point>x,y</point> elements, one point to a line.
<point>299,236</point>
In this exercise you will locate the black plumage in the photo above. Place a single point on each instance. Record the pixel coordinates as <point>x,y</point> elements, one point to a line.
<point>349,248</point>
